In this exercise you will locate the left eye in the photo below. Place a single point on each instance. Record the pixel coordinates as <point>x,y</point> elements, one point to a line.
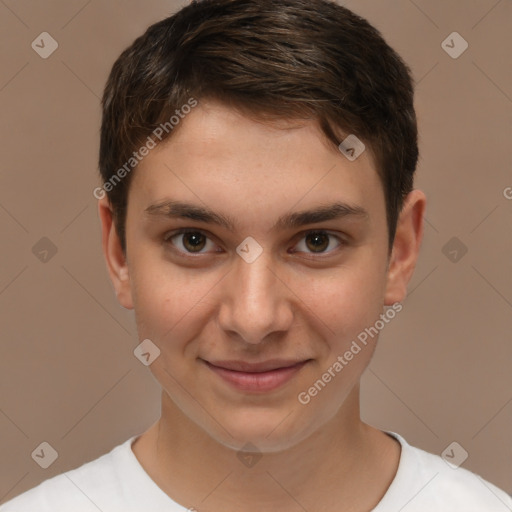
<point>317,242</point>
<point>191,241</point>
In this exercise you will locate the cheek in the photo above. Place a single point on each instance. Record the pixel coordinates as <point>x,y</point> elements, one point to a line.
<point>349,300</point>
<point>349,305</point>
<point>170,303</point>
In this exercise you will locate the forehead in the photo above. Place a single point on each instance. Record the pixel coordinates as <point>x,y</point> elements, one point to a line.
<point>222,158</point>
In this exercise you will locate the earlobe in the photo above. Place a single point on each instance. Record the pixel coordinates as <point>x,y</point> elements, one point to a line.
<point>406,246</point>
<point>117,265</point>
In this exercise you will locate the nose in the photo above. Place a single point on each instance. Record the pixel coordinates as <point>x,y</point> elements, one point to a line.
<point>256,302</point>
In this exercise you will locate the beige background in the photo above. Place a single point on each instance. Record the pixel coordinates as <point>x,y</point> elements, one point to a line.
<point>68,376</point>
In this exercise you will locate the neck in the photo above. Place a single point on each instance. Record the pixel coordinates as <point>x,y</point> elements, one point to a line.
<point>343,460</point>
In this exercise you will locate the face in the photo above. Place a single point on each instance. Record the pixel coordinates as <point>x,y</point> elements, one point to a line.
<point>256,255</point>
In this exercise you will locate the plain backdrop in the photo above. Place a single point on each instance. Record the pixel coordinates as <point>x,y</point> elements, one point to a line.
<point>68,376</point>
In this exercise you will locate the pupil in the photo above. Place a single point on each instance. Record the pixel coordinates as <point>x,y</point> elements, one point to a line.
<point>319,241</point>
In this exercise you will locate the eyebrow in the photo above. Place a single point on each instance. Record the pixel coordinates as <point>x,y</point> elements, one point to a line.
<point>177,209</point>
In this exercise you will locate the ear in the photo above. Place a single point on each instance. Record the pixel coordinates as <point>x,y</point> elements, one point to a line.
<point>116,262</point>
<point>406,246</point>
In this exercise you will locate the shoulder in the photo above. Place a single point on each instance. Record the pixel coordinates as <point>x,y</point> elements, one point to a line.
<point>426,482</point>
<point>81,489</point>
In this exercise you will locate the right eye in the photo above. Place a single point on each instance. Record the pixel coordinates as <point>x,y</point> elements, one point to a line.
<point>189,241</point>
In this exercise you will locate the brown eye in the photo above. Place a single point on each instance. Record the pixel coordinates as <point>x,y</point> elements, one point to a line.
<point>194,242</point>
<point>317,242</point>
<point>189,241</point>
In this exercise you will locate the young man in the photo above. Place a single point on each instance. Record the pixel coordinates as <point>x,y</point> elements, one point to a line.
<point>259,216</point>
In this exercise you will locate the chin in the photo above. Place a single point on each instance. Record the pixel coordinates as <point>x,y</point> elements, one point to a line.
<point>269,431</point>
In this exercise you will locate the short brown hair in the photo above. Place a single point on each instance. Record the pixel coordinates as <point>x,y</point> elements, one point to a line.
<point>273,59</point>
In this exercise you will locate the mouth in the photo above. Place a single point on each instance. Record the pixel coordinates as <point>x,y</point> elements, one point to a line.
<point>256,377</point>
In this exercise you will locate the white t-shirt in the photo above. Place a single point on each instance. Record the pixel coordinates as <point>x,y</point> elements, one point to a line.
<point>116,482</point>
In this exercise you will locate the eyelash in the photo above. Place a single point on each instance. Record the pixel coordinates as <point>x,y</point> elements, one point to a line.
<point>186,254</point>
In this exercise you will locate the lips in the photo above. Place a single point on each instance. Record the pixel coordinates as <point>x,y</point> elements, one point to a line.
<point>256,377</point>
<point>265,366</point>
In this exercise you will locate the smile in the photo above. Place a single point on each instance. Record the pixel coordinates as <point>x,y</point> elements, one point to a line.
<point>260,377</point>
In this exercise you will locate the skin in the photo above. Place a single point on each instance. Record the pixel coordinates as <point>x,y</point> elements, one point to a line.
<point>295,301</point>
